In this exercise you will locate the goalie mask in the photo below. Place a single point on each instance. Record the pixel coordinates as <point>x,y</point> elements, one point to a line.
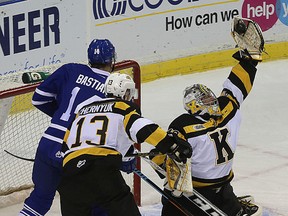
<point>101,51</point>
<point>200,100</point>
<point>120,85</point>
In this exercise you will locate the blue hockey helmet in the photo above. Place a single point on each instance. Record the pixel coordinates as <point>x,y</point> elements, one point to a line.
<point>101,51</point>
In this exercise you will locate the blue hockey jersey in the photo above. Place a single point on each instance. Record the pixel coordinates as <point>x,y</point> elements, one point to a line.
<point>63,90</point>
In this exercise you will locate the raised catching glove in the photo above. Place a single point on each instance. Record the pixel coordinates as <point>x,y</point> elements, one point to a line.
<point>129,163</point>
<point>248,37</point>
<point>181,149</point>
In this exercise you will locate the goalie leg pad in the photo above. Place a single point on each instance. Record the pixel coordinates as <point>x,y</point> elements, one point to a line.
<point>179,177</point>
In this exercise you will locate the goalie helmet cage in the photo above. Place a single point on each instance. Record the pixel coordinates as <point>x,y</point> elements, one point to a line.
<point>22,125</point>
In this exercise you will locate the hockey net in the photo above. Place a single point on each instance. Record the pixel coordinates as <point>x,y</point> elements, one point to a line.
<point>21,127</point>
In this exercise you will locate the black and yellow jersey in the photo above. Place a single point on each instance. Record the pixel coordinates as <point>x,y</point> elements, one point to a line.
<point>109,127</point>
<point>214,141</point>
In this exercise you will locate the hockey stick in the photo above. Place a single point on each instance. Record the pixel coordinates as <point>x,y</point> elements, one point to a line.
<point>198,203</point>
<point>138,154</point>
<point>143,154</point>
<point>22,158</point>
<point>169,197</point>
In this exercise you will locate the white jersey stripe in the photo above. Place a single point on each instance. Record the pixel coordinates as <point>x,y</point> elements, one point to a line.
<point>47,94</point>
<point>59,127</point>
<point>137,125</point>
<point>47,136</point>
<point>236,91</point>
<point>28,208</point>
<point>36,103</point>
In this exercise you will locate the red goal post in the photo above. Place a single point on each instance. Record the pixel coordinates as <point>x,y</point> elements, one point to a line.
<point>21,126</point>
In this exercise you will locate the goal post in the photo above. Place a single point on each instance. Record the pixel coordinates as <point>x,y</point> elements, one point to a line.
<point>136,74</point>
<point>22,125</point>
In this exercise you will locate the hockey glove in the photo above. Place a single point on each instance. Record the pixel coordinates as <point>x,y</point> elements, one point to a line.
<point>129,163</point>
<point>181,149</point>
<point>248,37</point>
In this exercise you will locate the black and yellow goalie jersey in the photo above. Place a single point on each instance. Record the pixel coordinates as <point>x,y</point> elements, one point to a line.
<point>214,141</point>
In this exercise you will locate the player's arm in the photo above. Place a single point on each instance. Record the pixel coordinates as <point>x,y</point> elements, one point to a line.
<point>45,95</point>
<point>140,130</point>
<point>248,37</point>
<point>239,82</point>
<point>164,142</point>
<point>44,101</point>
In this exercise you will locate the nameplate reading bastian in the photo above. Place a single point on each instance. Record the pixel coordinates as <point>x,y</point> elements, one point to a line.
<point>96,108</point>
<point>90,82</point>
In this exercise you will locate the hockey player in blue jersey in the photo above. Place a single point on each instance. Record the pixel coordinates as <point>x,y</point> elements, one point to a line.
<point>57,97</point>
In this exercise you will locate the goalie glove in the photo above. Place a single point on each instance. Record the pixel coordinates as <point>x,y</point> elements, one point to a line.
<point>181,149</point>
<point>248,37</point>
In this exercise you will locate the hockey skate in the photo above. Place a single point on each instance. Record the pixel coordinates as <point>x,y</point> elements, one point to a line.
<point>249,207</point>
<point>246,198</point>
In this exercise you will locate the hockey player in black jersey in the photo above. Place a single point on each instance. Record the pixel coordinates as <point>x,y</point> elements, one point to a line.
<point>101,134</point>
<point>211,126</point>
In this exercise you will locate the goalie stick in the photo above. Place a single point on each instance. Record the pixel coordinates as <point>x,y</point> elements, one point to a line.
<point>142,154</point>
<point>196,203</point>
<point>168,196</point>
<point>138,154</point>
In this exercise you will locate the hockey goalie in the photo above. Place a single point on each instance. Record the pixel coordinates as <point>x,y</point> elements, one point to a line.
<point>211,126</point>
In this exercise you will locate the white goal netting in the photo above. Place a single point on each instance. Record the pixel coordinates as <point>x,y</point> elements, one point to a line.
<point>21,126</point>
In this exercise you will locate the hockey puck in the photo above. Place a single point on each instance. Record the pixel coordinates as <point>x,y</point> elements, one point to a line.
<point>240,27</point>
